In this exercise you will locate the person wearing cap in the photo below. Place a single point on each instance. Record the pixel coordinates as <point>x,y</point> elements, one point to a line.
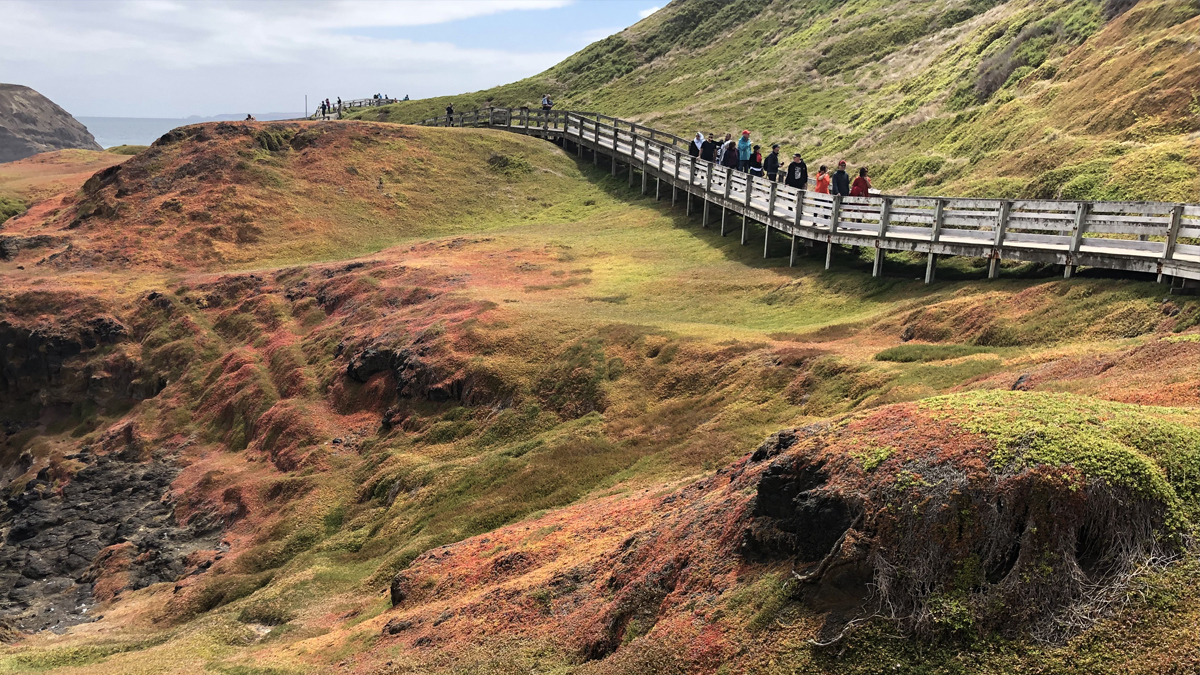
<point>771,164</point>
<point>797,173</point>
<point>841,180</point>
<point>745,148</point>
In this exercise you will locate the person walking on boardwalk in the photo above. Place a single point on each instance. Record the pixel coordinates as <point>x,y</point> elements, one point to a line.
<point>771,164</point>
<point>841,180</point>
<point>696,145</point>
<point>745,149</point>
<point>797,173</point>
<point>708,150</point>
<point>755,166</point>
<point>729,156</point>
<point>823,180</point>
<point>450,114</point>
<point>724,147</point>
<point>862,184</point>
<point>547,104</point>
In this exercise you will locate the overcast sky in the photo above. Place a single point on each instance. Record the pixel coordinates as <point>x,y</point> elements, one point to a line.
<point>174,58</point>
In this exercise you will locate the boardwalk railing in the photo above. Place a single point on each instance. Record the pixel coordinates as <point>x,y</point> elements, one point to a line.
<point>1155,237</point>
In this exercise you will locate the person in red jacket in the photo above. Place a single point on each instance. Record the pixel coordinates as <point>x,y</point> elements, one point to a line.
<point>862,185</point>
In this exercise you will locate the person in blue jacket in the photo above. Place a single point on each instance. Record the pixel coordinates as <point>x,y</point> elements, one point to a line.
<point>745,150</point>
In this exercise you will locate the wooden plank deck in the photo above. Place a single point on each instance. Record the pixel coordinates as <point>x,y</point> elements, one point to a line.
<point>1154,237</point>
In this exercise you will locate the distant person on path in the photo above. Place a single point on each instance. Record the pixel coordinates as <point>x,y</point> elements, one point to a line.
<point>708,151</point>
<point>547,104</point>
<point>729,156</point>
<point>797,173</point>
<point>841,180</point>
<point>406,97</point>
<point>755,164</point>
<point>450,113</point>
<point>250,118</point>
<point>862,184</point>
<point>745,149</point>
<point>771,164</point>
<point>823,180</point>
<point>696,145</point>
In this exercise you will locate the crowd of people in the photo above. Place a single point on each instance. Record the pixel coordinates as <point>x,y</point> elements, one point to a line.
<point>743,155</point>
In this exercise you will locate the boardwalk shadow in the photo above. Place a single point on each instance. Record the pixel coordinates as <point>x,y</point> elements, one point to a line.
<point>899,268</point>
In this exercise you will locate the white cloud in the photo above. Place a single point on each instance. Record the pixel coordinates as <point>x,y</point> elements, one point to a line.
<point>647,12</point>
<point>174,57</point>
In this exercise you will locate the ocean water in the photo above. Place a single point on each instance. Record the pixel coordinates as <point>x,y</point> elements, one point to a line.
<point>110,131</point>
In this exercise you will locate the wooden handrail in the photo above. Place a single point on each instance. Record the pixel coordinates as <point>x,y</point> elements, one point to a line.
<point>1138,236</point>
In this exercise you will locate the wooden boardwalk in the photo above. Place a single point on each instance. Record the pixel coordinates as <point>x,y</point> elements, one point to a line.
<point>1153,237</point>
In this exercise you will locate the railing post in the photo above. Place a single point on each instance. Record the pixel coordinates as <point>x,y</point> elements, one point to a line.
<point>1081,211</point>
<point>934,236</point>
<point>798,210</point>
<point>658,174</point>
<point>708,174</point>
<point>885,217</point>
<point>728,189</point>
<point>595,141</point>
<point>998,242</point>
<point>691,182</point>
<point>632,157</point>
<point>746,211</point>
<point>770,215</point>
<point>1172,237</point>
<point>834,214</point>
<point>675,178</point>
<point>645,161</point>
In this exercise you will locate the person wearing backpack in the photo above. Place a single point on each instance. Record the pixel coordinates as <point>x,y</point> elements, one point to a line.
<point>771,164</point>
<point>547,104</point>
<point>797,173</point>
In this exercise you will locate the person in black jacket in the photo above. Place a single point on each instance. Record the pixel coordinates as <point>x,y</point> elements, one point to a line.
<point>708,151</point>
<point>754,165</point>
<point>797,173</point>
<point>841,180</point>
<point>730,158</point>
<point>696,144</point>
<point>771,164</point>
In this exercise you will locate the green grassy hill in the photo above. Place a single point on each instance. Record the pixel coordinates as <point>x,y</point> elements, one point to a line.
<point>1072,99</point>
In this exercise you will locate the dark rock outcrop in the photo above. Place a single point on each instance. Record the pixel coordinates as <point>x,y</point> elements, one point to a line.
<point>112,526</point>
<point>31,123</point>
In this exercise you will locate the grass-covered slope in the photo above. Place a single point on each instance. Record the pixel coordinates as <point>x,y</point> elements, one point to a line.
<point>533,406</point>
<point>1073,99</point>
<point>222,195</point>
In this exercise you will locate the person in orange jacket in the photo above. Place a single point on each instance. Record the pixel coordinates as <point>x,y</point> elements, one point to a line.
<point>823,180</point>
